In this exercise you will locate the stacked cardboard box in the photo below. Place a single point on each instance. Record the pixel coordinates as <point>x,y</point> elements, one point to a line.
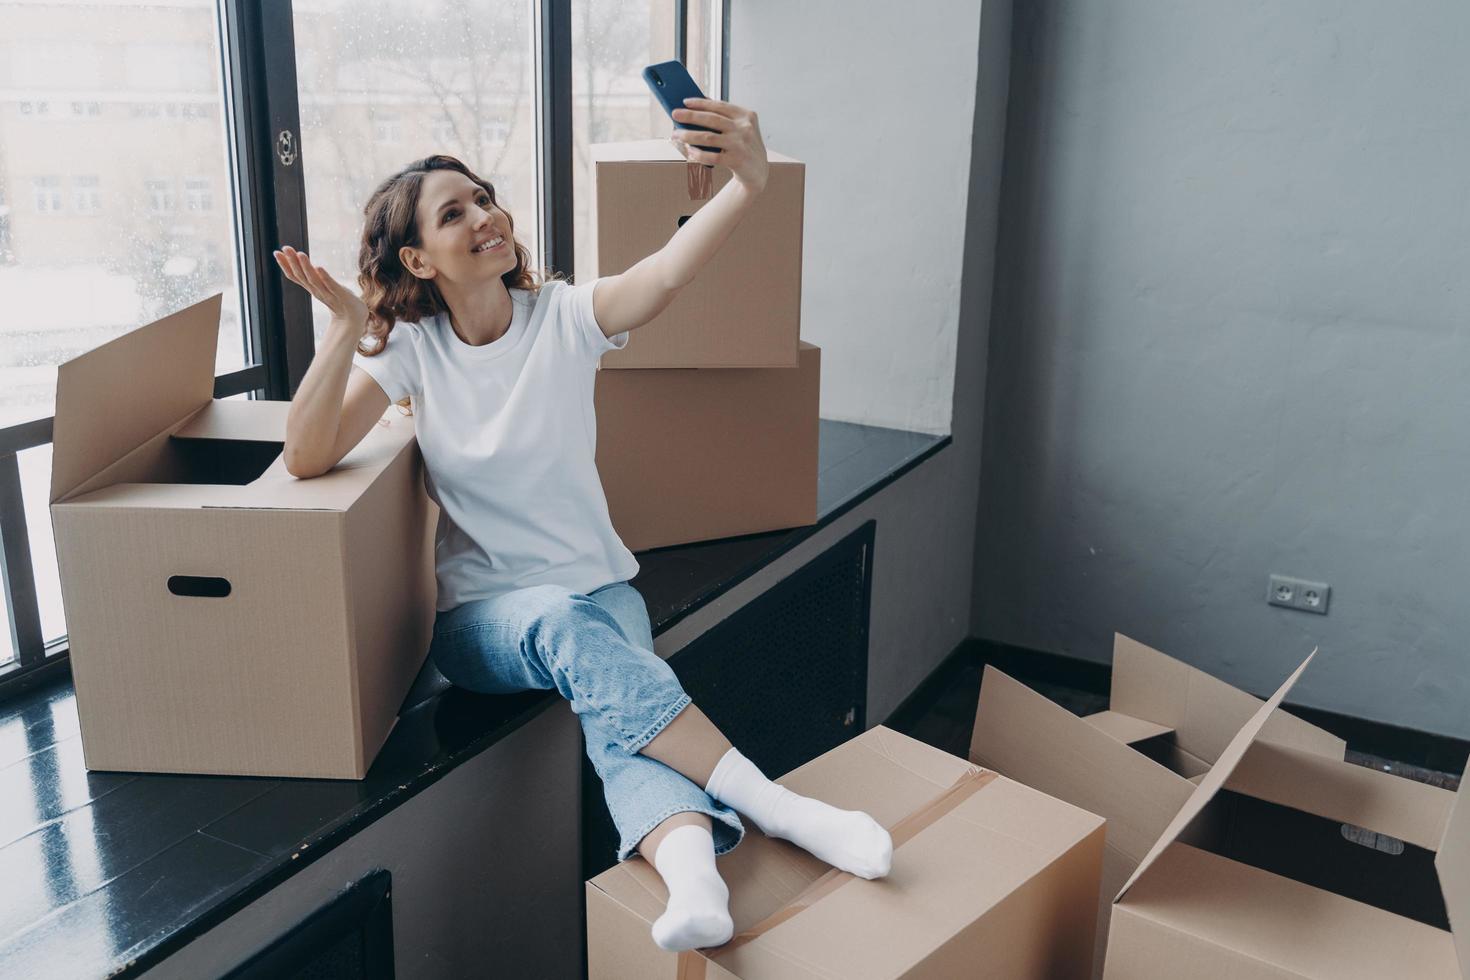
<point>225,617</point>
<point>1135,764</point>
<point>989,879</point>
<point>707,421</point>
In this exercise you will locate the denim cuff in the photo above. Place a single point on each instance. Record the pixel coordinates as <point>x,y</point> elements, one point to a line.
<point>637,744</point>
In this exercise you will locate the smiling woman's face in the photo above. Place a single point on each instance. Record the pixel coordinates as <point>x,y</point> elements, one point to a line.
<point>456,219</point>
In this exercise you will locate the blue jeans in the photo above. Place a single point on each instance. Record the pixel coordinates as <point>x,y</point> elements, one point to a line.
<point>597,650</point>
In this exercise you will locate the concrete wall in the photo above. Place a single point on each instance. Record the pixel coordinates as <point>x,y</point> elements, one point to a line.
<point>1231,338</point>
<point>877,100</point>
<point>899,114</point>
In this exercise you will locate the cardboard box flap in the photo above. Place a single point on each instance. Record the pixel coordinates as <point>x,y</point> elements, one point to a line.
<point>660,151</point>
<point>1343,791</point>
<point>275,489</point>
<point>250,421</point>
<point>1453,864</point>
<point>1024,735</point>
<point>1224,912</point>
<point>1217,776</point>
<point>116,397</point>
<point>1204,711</point>
<point>1125,728</point>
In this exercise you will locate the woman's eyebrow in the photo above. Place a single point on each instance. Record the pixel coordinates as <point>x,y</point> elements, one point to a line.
<point>456,200</point>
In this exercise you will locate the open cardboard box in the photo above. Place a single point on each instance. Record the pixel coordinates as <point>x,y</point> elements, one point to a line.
<point>1276,866</point>
<point>744,308</point>
<point>1135,764</point>
<point>223,616</point>
<point>989,879</point>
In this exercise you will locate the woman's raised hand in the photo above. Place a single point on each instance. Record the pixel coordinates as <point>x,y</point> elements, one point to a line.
<point>737,134</point>
<point>345,305</point>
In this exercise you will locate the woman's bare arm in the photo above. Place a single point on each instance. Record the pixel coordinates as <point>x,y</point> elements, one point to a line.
<point>336,404</point>
<point>632,298</point>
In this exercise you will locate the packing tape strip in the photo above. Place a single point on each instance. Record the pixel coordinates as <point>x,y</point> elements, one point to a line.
<point>693,964</point>
<point>700,180</point>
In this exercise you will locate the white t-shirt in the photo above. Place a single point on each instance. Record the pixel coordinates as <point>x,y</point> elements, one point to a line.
<point>508,437</point>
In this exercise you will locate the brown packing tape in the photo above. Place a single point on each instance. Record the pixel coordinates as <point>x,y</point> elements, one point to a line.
<point>701,180</point>
<point>692,963</point>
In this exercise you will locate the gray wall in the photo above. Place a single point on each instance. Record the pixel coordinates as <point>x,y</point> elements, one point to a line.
<point>1230,338</point>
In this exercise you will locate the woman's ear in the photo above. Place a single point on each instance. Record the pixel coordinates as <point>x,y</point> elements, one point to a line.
<point>414,263</point>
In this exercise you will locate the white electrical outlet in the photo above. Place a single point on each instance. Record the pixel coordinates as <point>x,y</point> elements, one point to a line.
<point>1297,593</point>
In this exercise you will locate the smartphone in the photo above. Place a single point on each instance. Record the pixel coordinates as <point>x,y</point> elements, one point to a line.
<point>671,85</point>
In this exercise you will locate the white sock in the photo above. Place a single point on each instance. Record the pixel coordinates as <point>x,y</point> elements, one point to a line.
<point>698,913</point>
<point>846,839</point>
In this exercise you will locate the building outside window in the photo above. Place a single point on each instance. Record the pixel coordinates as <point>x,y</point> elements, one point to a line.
<point>48,193</point>
<point>197,196</point>
<point>86,197</point>
<point>387,128</point>
<point>444,131</point>
<point>161,198</point>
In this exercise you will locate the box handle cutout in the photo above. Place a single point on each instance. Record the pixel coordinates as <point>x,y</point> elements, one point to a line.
<point>200,586</point>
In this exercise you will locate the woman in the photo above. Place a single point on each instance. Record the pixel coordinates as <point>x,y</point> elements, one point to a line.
<point>533,581</point>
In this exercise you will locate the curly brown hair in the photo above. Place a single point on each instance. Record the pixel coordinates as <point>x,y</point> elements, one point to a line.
<point>389,290</point>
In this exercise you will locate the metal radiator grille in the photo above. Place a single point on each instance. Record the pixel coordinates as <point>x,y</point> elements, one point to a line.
<point>349,938</point>
<point>785,677</point>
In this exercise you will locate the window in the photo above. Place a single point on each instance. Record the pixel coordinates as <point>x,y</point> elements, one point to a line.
<point>196,194</point>
<point>437,74</point>
<point>5,253</point>
<point>48,193</point>
<point>386,128</point>
<point>160,195</point>
<point>85,197</point>
<point>444,131</point>
<point>71,285</point>
<point>377,84</point>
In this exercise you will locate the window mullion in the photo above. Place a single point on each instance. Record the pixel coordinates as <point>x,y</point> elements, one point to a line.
<point>19,579</point>
<point>681,31</point>
<point>724,95</point>
<point>269,184</point>
<point>554,132</point>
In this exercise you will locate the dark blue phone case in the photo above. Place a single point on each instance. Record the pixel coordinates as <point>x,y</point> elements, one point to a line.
<point>671,85</point>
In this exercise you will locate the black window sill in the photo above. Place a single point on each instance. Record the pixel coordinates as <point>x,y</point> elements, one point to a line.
<point>107,873</point>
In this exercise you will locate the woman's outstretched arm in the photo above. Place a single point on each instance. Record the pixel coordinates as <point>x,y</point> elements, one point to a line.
<point>630,299</point>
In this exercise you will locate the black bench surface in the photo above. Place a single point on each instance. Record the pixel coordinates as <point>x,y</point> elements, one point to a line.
<point>107,873</point>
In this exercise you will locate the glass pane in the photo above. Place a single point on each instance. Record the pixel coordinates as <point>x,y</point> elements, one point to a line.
<point>385,82</point>
<point>703,60</point>
<point>114,186</point>
<point>35,487</point>
<point>612,42</point>
<point>7,648</point>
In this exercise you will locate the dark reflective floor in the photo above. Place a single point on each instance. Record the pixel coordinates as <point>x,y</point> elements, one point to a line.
<point>105,873</point>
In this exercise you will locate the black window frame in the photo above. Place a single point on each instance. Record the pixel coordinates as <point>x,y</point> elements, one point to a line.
<point>268,195</point>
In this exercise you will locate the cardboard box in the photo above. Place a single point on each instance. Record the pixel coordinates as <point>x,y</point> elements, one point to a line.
<point>690,454</point>
<point>989,879</point>
<point>225,617</point>
<point>1134,764</point>
<point>744,307</point>
<point>1271,869</point>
